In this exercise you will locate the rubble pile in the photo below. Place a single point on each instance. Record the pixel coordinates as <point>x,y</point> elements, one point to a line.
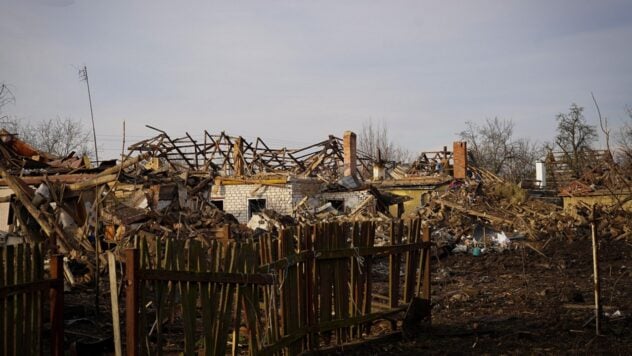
<point>486,200</point>
<point>165,190</point>
<point>170,186</point>
<point>66,202</point>
<point>501,205</point>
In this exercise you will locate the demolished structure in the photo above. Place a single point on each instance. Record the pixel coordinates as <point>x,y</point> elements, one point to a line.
<point>257,220</point>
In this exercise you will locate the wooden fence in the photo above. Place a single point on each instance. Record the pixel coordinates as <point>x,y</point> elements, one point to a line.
<point>22,294</point>
<point>305,288</point>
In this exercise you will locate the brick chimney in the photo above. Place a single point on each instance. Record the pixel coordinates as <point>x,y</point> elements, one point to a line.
<point>350,156</point>
<point>459,152</point>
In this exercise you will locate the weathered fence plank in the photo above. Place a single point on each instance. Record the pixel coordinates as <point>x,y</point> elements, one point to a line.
<point>22,285</point>
<point>300,289</point>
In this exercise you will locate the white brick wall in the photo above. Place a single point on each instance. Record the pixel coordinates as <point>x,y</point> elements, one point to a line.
<point>236,198</point>
<point>280,199</point>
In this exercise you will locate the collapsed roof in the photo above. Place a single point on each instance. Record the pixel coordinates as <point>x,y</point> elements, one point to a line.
<point>226,156</point>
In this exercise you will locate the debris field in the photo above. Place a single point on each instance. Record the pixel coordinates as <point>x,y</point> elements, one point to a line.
<point>435,256</point>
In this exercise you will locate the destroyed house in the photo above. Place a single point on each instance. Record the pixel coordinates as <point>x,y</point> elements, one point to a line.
<point>431,172</point>
<point>245,178</point>
<point>33,167</point>
<point>238,179</point>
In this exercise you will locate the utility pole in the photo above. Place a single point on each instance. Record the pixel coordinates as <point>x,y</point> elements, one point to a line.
<point>83,75</point>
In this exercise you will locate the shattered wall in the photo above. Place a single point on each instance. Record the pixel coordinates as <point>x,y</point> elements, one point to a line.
<point>302,189</point>
<point>351,199</point>
<point>235,197</point>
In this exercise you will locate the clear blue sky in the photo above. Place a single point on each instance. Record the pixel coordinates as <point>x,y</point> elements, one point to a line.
<point>293,72</point>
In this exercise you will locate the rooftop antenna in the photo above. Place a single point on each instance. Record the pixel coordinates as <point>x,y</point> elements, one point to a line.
<point>83,75</point>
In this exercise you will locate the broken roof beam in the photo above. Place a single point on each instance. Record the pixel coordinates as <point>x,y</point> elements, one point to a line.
<point>60,178</point>
<point>174,145</point>
<point>107,175</point>
<point>50,228</point>
<point>268,150</point>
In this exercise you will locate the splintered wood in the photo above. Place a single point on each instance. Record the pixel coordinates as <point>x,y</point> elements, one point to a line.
<point>309,287</point>
<point>235,156</point>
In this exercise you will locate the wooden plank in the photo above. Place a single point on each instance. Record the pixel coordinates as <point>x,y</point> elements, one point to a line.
<point>51,229</point>
<point>426,267</point>
<point>325,279</point>
<point>207,277</point>
<point>144,261</point>
<point>330,325</point>
<point>131,302</point>
<point>159,296</point>
<point>216,252</point>
<point>394,261</point>
<point>271,295</point>
<point>237,306</point>
<point>411,261</point>
<point>57,305</point>
<point>292,288</point>
<point>301,280</point>
<point>189,295</point>
<point>29,329</point>
<point>38,304</point>
<point>283,285</point>
<point>368,300</point>
<point>19,300</point>
<point>334,254</point>
<point>251,300</point>
<point>93,182</point>
<point>354,278</point>
<point>58,178</point>
<point>202,266</point>
<point>344,279</point>
<point>17,289</point>
<point>310,290</point>
<point>10,301</point>
<point>3,340</point>
<point>229,298</point>
<point>168,289</point>
<point>116,324</point>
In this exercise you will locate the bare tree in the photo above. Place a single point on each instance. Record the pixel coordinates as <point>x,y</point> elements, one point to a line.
<point>57,136</point>
<point>10,124</point>
<point>521,164</point>
<point>574,137</point>
<point>624,140</point>
<point>491,146</point>
<point>375,142</point>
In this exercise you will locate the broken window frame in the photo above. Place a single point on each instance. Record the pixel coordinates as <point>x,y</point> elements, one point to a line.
<point>250,210</point>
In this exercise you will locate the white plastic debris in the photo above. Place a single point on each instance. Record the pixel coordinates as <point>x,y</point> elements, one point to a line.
<point>501,241</point>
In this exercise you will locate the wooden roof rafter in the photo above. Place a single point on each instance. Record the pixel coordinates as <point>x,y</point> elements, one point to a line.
<point>229,155</point>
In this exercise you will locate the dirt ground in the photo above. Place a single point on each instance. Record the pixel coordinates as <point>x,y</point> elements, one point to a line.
<point>520,302</point>
<point>516,301</point>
